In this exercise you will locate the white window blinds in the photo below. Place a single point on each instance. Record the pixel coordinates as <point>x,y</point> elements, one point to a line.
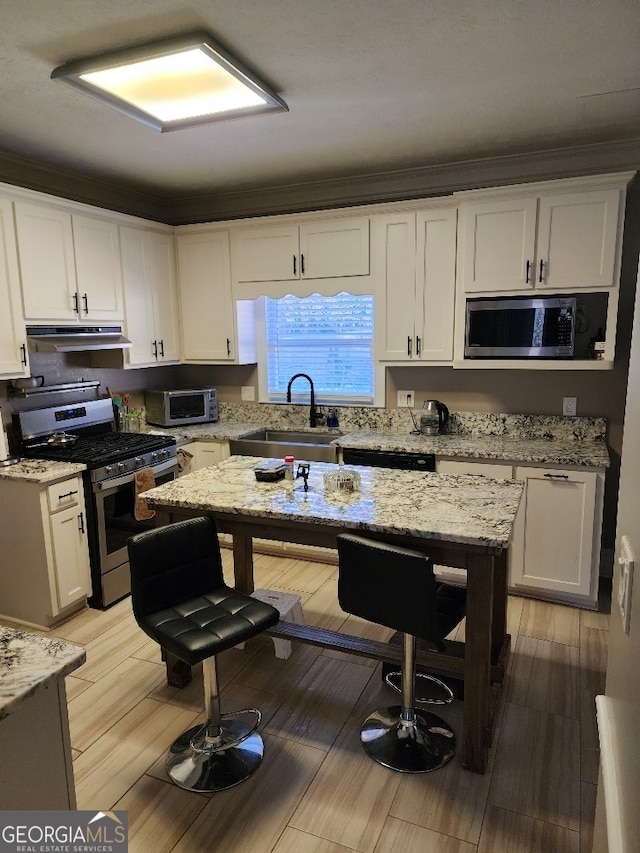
<point>328,337</point>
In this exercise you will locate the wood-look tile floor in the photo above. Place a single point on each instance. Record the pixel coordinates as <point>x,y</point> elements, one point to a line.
<point>317,791</point>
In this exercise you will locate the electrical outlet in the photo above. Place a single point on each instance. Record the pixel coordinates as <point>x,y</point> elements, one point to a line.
<point>569,407</point>
<point>406,398</point>
<point>247,393</point>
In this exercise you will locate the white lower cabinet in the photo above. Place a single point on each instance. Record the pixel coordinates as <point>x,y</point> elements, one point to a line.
<point>46,573</point>
<point>203,453</point>
<point>555,551</point>
<point>556,544</point>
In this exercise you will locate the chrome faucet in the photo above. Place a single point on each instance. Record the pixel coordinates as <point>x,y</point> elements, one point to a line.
<point>313,415</point>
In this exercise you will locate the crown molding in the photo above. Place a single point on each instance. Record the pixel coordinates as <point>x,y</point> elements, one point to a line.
<point>48,177</point>
<point>406,184</point>
<point>345,191</point>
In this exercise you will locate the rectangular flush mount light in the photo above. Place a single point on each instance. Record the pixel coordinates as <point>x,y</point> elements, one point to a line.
<point>174,83</point>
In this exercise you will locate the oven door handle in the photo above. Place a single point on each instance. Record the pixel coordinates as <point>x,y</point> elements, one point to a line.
<point>114,482</point>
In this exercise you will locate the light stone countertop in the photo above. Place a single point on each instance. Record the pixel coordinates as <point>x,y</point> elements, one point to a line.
<point>564,451</point>
<point>497,447</point>
<point>30,663</point>
<point>42,471</point>
<point>456,508</point>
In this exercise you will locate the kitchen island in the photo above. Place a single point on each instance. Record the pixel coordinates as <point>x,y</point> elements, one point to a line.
<point>460,521</point>
<point>36,770</point>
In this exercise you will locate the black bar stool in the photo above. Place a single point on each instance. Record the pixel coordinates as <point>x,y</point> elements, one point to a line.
<point>396,587</point>
<point>181,601</point>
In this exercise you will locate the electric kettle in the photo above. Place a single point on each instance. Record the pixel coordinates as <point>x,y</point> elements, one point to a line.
<point>433,417</point>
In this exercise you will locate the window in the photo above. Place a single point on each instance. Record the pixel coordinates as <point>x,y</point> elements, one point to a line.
<point>328,337</point>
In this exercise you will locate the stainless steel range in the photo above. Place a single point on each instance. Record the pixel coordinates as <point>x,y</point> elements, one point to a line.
<point>112,458</point>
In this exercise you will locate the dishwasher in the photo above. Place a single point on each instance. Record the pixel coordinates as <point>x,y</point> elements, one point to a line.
<point>408,461</point>
<point>399,459</point>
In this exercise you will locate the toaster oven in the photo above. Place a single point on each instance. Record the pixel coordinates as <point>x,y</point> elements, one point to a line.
<point>181,407</point>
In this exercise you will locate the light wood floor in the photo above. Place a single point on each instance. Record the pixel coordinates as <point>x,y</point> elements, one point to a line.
<point>316,789</point>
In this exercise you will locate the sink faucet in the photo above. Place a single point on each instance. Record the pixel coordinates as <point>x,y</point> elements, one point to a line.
<point>313,415</point>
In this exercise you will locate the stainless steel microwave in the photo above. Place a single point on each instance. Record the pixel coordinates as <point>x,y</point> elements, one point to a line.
<point>180,407</point>
<point>520,327</point>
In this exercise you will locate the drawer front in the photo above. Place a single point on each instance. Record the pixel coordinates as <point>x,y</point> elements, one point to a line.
<point>64,494</point>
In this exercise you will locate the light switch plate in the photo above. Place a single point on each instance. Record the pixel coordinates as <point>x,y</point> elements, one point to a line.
<point>247,393</point>
<point>569,407</point>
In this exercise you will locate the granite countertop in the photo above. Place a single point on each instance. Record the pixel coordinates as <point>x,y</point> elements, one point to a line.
<point>41,470</point>
<point>30,663</point>
<point>508,448</point>
<point>455,508</point>
<point>218,431</point>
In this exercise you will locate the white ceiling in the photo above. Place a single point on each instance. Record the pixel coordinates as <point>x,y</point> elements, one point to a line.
<point>372,85</point>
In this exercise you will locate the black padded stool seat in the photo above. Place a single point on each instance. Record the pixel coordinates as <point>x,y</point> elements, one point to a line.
<point>181,601</point>
<point>396,587</point>
<point>451,608</point>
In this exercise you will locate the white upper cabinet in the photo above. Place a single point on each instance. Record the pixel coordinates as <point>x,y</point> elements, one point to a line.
<point>323,248</point>
<point>150,295</point>
<point>13,341</point>
<point>98,268</point>
<point>47,266</point>
<point>69,265</point>
<point>414,269</point>
<point>209,331</point>
<point>546,238</point>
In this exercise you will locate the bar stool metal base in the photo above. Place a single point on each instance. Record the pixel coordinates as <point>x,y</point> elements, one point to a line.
<point>420,745</point>
<point>204,768</point>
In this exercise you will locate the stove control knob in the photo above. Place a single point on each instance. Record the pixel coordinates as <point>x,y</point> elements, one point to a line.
<point>121,466</point>
<point>108,469</point>
<point>138,460</point>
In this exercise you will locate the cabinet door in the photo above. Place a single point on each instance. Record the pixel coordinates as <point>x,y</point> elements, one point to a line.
<point>498,244</point>
<point>435,284</point>
<point>206,308</point>
<point>138,300</point>
<point>553,549</point>
<point>265,253</point>
<point>334,248</point>
<point>394,243</point>
<point>13,342</point>
<point>98,268</point>
<point>160,270</point>
<point>70,555</point>
<point>47,267</point>
<point>577,239</point>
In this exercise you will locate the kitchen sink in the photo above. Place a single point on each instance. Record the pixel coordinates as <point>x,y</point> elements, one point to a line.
<point>278,443</point>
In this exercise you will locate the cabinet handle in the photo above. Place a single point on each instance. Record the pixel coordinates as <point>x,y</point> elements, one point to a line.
<point>154,344</point>
<point>301,264</point>
<point>23,357</point>
<point>228,346</point>
<point>75,303</point>
<point>162,347</point>
<point>527,274</point>
<point>294,265</point>
<point>67,494</point>
<point>85,300</point>
<point>409,345</point>
<point>557,476</point>
<point>81,522</point>
<point>418,347</point>
<point>540,277</point>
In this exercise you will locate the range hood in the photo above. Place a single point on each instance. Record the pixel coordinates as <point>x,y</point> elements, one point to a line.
<point>76,338</point>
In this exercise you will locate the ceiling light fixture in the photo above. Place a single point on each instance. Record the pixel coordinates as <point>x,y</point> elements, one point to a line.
<point>174,83</point>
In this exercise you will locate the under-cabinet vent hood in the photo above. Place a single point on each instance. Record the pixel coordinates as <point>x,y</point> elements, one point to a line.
<point>76,338</point>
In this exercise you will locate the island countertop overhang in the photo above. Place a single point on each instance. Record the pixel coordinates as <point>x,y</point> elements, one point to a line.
<point>464,509</point>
